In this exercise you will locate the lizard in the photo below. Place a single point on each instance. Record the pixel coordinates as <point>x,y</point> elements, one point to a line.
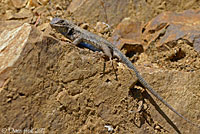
<point>78,35</point>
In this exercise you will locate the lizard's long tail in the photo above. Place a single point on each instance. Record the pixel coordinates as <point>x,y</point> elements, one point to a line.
<point>126,61</point>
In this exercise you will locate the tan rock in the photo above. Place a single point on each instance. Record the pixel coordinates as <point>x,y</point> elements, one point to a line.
<point>75,4</point>
<point>93,11</point>
<point>57,82</point>
<point>22,14</point>
<point>32,4</point>
<point>9,25</point>
<point>11,45</point>
<point>102,27</point>
<point>19,3</point>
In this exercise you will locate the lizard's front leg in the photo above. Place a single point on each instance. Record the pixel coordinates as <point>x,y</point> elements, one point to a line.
<point>77,41</point>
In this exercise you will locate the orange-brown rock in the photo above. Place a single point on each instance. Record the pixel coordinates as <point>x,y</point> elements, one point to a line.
<point>127,36</point>
<point>171,27</point>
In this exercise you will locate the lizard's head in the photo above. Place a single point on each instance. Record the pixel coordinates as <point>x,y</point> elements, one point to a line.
<point>62,26</point>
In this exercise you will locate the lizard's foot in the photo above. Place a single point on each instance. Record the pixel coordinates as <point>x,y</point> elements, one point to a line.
<point>114,69</point>
<point>116,78</point>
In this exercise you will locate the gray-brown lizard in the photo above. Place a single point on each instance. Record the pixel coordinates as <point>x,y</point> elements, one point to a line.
<point>79,35</point>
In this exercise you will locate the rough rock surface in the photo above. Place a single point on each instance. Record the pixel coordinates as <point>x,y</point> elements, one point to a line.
<point>12,43</point>
<point>56,87</point>
<point>111,11</point>
<point>173,40</point>
<point>170,26</point>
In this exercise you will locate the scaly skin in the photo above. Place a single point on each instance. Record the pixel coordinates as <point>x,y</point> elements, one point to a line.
<point>78,35</point>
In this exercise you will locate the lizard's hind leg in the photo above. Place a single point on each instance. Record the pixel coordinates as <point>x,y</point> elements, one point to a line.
<point>104,67</point>
<point>114,68</point>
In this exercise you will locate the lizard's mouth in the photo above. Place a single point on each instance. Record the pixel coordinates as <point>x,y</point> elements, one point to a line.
<point>57,22</point>
<point>56,25</point>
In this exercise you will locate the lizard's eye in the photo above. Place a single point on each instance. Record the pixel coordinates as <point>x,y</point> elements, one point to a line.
<point>61,21</point>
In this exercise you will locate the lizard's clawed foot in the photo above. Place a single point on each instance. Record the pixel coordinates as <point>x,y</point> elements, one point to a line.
<point>104,67</point>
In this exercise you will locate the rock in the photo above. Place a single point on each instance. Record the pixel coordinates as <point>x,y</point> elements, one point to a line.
<point>127,36</point>
<point>109,127</point>
<point>85,26</point>
<point>8,15</point>
<point>197,43</point>
<point>102,27</point>
<point>19,3</point>
<point>92,11</point>
<point>171,27</point>
<point>130,47</point>
<point>129,29</point>
<point>32,4</point>
<point>176,83</point>
<point>43,2</point>
<point>12,42</point>
<point>46,65</point>
<point>9,25</point>
<point>43,26</point>
<point>75,4</point>
<point>55,85</point>
<point>22,14</point>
